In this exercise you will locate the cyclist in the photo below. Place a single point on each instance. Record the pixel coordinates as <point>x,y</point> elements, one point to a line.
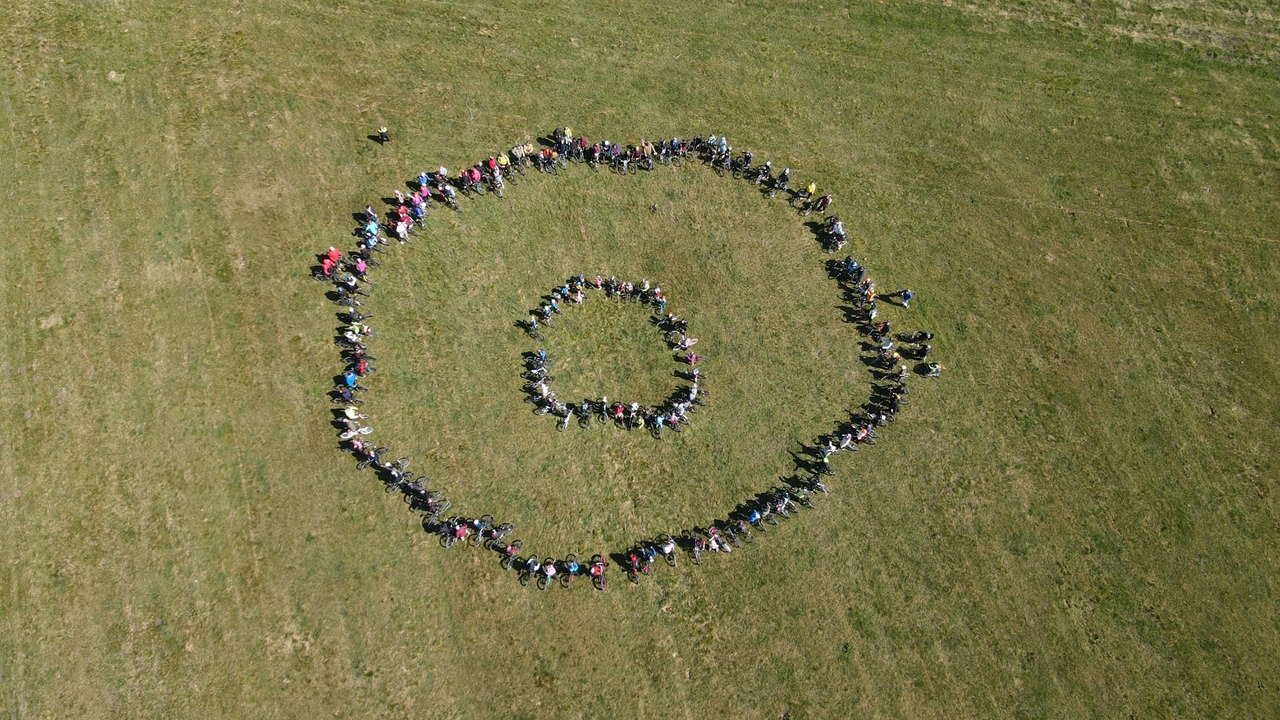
<point>649,553</point>
<point>766,172</point>
<point>669,546</point>
<point>597,570</point>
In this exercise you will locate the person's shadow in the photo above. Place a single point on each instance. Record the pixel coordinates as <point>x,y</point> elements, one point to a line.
<point>376,138</point>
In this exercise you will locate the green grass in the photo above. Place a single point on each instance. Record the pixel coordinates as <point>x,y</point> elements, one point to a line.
<point>1079,520</point>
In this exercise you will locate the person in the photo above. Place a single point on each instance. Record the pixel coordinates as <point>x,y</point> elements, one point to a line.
<point>327,267</point>
<point>532,565</point>
<point>549,569</point>
<point>334,254</point>
<point>571,566</point>
<point>906,296</point>
<point>933,370</point>
<point>823,203</point>
<point>383,136</point>
<point>669,546</point>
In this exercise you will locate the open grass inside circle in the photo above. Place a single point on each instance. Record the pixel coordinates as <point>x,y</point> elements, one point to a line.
<point>780,363</point>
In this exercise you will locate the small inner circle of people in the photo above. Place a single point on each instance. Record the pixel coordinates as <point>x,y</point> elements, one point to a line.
<point>885,353</point>
<point>672,414</point>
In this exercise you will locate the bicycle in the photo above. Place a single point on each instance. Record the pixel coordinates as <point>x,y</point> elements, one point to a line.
<point>449,532</point>
<point>510,552</point>
<point>696,545</point>
<point>571,570</point>
<point>497,534</point>
<point>530,570</point>
<point>668,547</point>
<point>480,524</point>
<point>597,572</point>
<point>547,577</point>
<point>371,458</point>
<point>804,498</point>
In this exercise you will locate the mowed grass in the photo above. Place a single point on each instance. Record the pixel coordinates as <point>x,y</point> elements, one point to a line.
<point>1078,520</point>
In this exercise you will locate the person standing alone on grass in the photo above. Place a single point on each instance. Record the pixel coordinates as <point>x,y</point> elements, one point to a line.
<point>383,136</point>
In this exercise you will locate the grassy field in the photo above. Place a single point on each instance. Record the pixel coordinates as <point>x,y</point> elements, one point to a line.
<point>1078,520</point>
